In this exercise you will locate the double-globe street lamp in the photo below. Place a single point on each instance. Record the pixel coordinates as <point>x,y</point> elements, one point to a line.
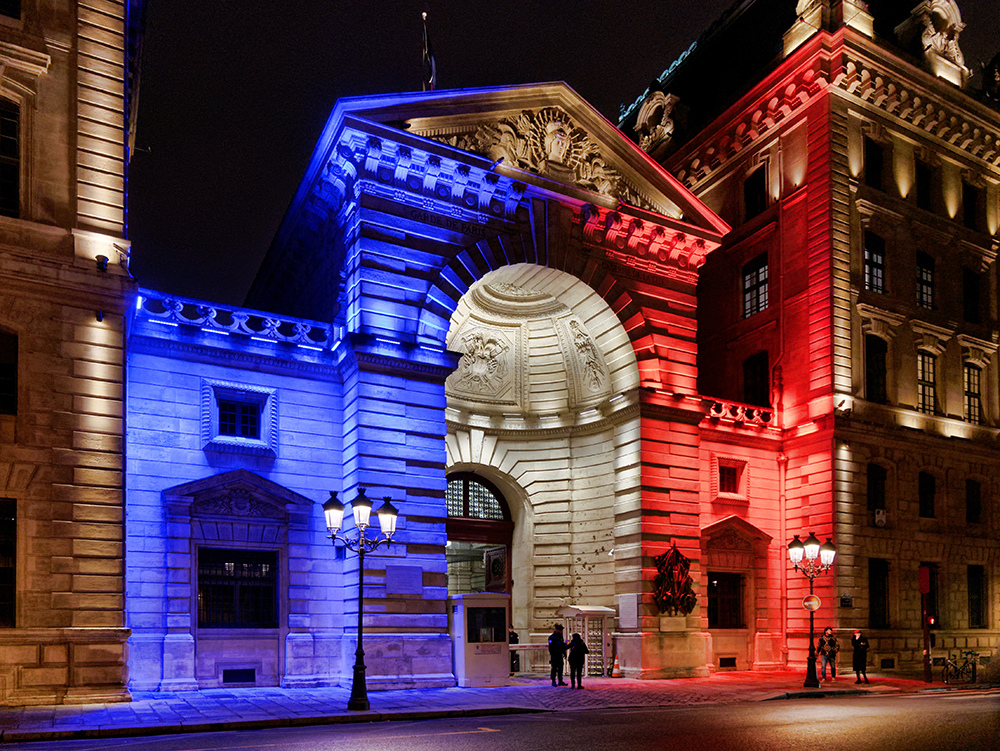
<point>818,560</point>
<point>359,541</point>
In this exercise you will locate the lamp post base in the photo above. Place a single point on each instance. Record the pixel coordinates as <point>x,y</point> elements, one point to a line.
<point>359,688</point>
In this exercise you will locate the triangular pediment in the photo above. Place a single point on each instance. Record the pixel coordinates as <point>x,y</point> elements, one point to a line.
<point>239,493</point>
<point>546,135</point>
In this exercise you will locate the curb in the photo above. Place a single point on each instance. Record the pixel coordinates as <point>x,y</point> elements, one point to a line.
<point>134,731</point>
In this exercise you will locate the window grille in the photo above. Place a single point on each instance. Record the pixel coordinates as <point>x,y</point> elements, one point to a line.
<point>237,588</point>
<point>238,418</point>
<point>468,497</point>
<point>729,479</point>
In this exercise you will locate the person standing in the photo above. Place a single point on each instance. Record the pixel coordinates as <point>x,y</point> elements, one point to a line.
<point>557,653</point>
<point>515,658</point>
<point>860,643</point>
<point>577,659</point>
<point>828,649</point>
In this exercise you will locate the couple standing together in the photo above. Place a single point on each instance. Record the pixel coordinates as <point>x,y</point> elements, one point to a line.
<point>577,657</point>
<point>829,647</point>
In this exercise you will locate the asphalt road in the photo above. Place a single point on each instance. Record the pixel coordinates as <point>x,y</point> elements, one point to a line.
<point>969,721</point>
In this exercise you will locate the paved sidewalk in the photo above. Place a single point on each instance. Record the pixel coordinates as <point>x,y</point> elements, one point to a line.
<point>247,708</point>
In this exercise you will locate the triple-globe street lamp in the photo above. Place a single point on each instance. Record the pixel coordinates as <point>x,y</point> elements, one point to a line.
<point>818,560</point>
<point>359,541</point>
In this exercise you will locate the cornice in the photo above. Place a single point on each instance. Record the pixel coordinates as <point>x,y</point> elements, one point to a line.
<point>620,415</point>
<point>855,68</point>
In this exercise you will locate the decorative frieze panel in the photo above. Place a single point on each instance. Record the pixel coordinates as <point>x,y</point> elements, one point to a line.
<point>488,371</point>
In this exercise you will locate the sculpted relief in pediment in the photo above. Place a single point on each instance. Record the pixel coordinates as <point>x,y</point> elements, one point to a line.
<point>548,143</point>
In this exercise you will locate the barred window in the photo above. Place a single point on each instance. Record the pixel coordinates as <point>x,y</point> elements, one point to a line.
<point>874,263</point>
<point>725,600</point>
<point>729,479</point>
<point>237,588</point>
<point>755,286</point>
<point>973,402</point>
<point>469,497</point>
<point>926,383</point>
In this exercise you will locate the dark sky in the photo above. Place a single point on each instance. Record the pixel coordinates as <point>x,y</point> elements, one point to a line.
<point>234,94</point>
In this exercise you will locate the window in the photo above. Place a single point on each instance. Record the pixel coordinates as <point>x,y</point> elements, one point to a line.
<point>878,593</point>
<point>239,418</point>
<point>8,561</point>
<point>8,374</point>
<point>973,502</point>
<point>725,600</point>
<point>472,498</point>
<point>10,159</point>
<point>977,596</point>
<point>924,179</point>
<point>874,163</point>
<point>930,571</point>
<point>757,380</point>
<point>971,200</point>
<point>874,263</point>
<point>10,8</point>
<point>729,479</point>
<point>926,383</point>
<point>876,352</point>
<point>926,489</point>
<point>876,487</point>
<point>237,588</point>
<point>755,193</point>
<point>925,281</point>
<point>971,295</point>
<point>755,286</point>
<point>972,403</point>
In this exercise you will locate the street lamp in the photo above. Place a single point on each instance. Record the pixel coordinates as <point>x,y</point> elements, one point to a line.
<point>811,550</point>
<point>359,542</point>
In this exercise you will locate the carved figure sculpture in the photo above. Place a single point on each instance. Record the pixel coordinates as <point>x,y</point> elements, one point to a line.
<point>483,367</point>
<point>585,347</point>
<point>672,587</point>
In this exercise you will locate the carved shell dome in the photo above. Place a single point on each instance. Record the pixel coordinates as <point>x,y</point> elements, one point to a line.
<point>529,348</point>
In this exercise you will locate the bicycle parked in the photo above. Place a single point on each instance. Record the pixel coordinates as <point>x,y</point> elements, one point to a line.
<point>964,673</point>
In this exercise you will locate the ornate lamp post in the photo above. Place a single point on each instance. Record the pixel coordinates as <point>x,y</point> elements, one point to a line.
<point>811,550</point>
<point>361,543</point>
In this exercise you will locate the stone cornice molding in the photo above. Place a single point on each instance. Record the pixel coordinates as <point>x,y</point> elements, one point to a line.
<point>616,418</point>
<point>978,352</point>
<point>930,338</point>
<point>879,322</point>
<point>853,66</point>
<point>20,68</point>
<point>643,238</point>
<point>139,342</point>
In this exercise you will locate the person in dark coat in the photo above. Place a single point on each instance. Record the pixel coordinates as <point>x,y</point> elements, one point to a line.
<point>828,648</point>
<point>515,658</point>
<point>577,659</point>
<point>557,653</point>
<point>860,643</point>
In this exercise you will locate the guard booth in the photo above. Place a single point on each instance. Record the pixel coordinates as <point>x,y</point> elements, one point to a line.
<point>478,626</point>
<point>593,623</point>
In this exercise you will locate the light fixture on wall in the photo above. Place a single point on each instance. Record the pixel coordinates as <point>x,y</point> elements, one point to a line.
<point>361,543</point>
<point>818,560</point>
<point>102,263</point>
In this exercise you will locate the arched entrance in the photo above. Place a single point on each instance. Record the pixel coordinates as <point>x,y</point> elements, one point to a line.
<point>480,532</point>
<point>542,416</point>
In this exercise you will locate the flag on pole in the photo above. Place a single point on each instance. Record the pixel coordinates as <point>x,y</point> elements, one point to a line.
<point>430,67</point>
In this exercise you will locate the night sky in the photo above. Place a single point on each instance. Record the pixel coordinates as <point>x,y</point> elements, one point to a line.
<point>234,94</point>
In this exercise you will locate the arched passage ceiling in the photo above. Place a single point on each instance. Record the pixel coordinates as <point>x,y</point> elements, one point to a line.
<point>539,349</point>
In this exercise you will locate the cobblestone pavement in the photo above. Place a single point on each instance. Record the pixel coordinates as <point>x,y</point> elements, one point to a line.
<point>230,709</point>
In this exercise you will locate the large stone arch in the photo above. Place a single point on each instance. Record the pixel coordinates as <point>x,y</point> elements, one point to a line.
<point>409,202</point>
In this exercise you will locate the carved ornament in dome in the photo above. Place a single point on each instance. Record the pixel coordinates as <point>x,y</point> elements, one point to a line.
<point>487,370</point>
<point>589,369</point>
<point>548,143</point>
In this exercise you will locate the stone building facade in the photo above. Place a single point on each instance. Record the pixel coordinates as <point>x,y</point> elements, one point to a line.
<point>857,295</point>
<point>64,287</point>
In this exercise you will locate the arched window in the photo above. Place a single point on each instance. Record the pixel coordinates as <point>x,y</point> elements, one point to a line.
<point>480,532</point>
